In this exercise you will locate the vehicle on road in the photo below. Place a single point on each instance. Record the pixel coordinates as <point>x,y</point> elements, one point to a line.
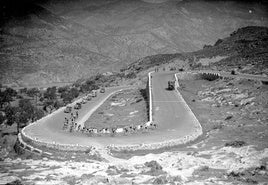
<point>102,90</point>
<point>171,85</point>
<point>88,98</point>
<point>78,106</point>
<point>68,109</point>
<point>94,93</point>
<point>233,72</point>
<point>84,101</point>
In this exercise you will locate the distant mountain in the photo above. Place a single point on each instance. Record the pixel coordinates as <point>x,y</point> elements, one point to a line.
<point>62,41</point>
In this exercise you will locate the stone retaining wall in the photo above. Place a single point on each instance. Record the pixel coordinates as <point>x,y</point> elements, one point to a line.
<point>27,147</point>
<point>52,145</point>
<point>210,76</point>
<point>198,75</point>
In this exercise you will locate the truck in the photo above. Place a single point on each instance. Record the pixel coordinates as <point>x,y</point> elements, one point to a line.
<point>171,85</point>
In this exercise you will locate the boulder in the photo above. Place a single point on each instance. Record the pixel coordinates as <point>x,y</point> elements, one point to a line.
<point>10,180</point>
<point>247,101</point>
<point>98,179</point>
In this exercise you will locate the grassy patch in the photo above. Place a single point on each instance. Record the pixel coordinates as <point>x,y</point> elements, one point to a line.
<point>122,109</point>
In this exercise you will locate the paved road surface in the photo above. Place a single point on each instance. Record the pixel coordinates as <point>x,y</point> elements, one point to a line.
<point>169,112</point>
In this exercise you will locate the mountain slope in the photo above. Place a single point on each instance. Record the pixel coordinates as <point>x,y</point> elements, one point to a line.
<point>62,41</point>
<point>245,50</point>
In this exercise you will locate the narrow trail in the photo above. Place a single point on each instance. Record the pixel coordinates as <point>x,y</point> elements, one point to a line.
<point>106,155</point>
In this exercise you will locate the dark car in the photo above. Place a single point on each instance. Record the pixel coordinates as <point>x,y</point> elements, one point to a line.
<point>78,106</point>
<point>102,90</point>
<point>233,72</point>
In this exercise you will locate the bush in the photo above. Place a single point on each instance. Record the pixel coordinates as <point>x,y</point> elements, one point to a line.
<point>218,42</point>
<point>217,126</point>
<point>131,75</point>
<point>160,180</point>
<point>51,93</point>
<point>155,168</point>
<point>204,168</point>
<point>32,92</point>
<point>233,72</point>
<point>235,144</point>
<point>63,89</point>
<point>206,46</point>
<point>228,117</point>
<point>153,165</point>
<point>16,182</point>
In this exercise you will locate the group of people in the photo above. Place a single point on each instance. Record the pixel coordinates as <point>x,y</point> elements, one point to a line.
<point>116,131</point>
<point>70,124</point>
<point>163,69</point>
<point>157,69</point>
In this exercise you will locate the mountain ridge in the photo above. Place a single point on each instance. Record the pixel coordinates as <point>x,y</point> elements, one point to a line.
<point>244,50</point>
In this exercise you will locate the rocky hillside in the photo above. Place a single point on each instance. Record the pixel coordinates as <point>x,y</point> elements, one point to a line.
<point>245,50</point>
<point>64,40</point>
